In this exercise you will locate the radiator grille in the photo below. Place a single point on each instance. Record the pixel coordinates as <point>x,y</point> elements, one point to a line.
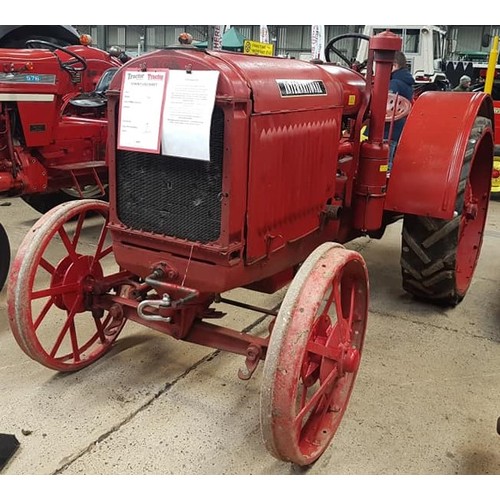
<point>173,196</point>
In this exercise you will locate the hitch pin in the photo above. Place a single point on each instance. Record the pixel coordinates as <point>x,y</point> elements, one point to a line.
<point>157,304</point>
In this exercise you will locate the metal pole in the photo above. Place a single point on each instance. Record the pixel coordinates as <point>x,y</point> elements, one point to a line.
<point>210,37</point>
<point>490,74</point>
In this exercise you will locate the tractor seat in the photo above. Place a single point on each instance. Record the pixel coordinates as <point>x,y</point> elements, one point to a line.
<point>97,98</point>
<point>89,100</point>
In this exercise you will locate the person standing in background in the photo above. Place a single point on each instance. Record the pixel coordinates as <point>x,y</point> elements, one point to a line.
<point>401,83</point>
<point>464,85</point>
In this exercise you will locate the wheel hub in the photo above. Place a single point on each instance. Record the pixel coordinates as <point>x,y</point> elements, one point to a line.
<point>351,359</point>
<point>81,271</point>
<point>338,339</point>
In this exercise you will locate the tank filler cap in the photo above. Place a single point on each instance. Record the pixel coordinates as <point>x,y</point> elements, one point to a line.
<point>387,40</point>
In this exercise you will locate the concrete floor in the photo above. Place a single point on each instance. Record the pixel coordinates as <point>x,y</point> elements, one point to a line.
<point>426,400</point>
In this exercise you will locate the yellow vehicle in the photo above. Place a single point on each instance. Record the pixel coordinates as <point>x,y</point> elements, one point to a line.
<point>495,180</point>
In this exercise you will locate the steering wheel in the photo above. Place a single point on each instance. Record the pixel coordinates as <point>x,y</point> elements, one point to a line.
<point>330,48</point>
<point>397,107</point>
<point>71,65</point>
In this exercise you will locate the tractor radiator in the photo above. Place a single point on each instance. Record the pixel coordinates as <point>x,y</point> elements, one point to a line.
<point>173,196</point>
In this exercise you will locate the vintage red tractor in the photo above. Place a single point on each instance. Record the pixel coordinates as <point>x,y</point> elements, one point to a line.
<point>52,117</point>
<point>287,181</point>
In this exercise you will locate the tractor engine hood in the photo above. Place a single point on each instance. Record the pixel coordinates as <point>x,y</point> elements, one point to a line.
<point>273,84</point>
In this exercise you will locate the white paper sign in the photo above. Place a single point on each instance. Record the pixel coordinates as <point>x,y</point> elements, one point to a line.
<point>141,107</point>
<point>189,104</point>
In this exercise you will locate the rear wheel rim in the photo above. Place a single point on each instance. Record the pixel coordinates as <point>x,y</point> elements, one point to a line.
<point>472,222</point>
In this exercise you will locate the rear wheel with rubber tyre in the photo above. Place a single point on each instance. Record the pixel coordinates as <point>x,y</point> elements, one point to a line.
<point>43,202</point>
<point>438,257</point>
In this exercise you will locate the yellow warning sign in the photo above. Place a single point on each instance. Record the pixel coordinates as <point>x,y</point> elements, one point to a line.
<point>258,48</point>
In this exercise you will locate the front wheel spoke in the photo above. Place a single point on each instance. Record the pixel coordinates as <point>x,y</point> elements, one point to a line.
<point>329,302</point>
<point>100,330</point>
<point>303,396</point>
<point>55,291</point>
<point>67,243</point>
<point>43,312</point>
<point>338,300</point>
<point>66,357</point>
<point>74,341</point>
<point>92,341</point>
<point>351,308</point>
<point>100,243</point>
<point>99,335</point>
<point>79,224</point>
<point>311,404</point>
<point>47,266</point>
<point>65,328</point>
<point>331,353</point>
<point>105,252</point>
<point>334,401</point>
<point>312,426</point>
<point>311,367</point>
<point>106,322</point>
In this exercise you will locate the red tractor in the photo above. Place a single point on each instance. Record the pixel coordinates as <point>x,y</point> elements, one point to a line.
<point>52,118</point>
<point>286,182</point>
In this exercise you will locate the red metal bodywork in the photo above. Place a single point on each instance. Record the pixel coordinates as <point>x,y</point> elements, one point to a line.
<point>425,177</point>
<point>262,137</point>
<point>45,142</point>
<point>281,169</point>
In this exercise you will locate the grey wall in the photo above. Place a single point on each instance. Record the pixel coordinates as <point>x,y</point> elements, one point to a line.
<point>291,40</point>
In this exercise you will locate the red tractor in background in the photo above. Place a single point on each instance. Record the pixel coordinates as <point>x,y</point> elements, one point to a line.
<point>287,180</point>
<point>52,118</point>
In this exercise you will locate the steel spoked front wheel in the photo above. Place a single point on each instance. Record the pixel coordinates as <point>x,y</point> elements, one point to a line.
<point>57,276</point>
<point>314,354</point>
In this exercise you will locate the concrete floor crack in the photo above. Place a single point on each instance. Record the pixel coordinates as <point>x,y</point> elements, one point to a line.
<point>166,388</point>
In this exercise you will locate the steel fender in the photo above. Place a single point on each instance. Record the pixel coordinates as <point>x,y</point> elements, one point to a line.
<point>424,178</point>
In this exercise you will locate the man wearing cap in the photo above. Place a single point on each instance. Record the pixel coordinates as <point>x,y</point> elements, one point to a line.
<point>464,85</point>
